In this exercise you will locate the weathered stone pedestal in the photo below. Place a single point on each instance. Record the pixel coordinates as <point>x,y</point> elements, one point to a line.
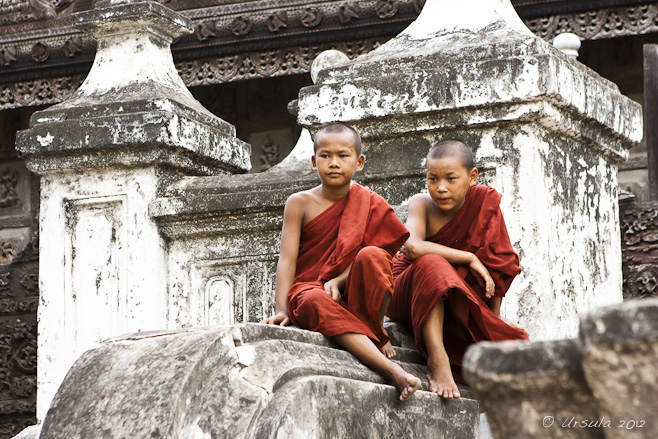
<point>546,131</point>
<point>601,385</point>
<point>245,381</point>
<point>103,156</point>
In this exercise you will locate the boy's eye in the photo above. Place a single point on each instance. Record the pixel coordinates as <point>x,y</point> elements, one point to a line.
<point>452,178</point>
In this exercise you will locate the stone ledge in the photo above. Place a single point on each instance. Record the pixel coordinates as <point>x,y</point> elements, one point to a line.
<point>150,138</point>
<point>247,380</point>
<point>522,70</point>
<point>635,322</point>
<point>518,357</point>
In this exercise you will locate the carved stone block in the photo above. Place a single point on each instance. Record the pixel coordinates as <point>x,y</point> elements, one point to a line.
<point>221,383</point>
<point>533,390</point>
<point>620,354</point>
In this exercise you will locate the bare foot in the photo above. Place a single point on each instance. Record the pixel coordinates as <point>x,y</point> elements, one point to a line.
<point>388,350</point>
<point>441,381</point>
<point>406,384</point>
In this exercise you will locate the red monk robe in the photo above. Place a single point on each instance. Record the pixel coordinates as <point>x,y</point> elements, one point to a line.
<point>478,228</point>
<point>362,230</point>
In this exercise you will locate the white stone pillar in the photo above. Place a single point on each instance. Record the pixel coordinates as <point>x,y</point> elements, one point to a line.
<point>103,156</point>
<point>547,132</point>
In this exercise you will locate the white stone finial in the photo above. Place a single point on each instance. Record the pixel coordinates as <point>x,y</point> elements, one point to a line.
<point>134,40</point>
<point>450,16</point>
<point>328,58</point>
<point>567,43</point>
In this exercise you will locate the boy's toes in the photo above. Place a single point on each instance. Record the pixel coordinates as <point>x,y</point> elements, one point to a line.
<point>388,350</point>
<point>413,384</point>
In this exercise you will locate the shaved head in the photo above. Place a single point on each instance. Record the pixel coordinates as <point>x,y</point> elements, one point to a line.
<point>452,148</point>
<point>338,128</point>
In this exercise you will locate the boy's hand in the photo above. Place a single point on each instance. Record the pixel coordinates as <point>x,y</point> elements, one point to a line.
<point>281,318</point>
<point>483,277</point>
<point>332,288</point>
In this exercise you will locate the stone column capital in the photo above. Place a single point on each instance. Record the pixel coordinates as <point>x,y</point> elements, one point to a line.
<point>466,63</point>
<point>121,16</point>
<point>133,109</point>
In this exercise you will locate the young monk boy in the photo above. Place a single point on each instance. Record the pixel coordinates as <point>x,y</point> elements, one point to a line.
<point>334,274</point>
<point>456,266</point>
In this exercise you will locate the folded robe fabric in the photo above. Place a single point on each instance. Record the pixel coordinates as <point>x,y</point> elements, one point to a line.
<point>362,224</point>
<point>478,228</point>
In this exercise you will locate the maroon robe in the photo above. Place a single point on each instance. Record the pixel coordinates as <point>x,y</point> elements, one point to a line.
<point>478,228</point>
<point>362,230</point>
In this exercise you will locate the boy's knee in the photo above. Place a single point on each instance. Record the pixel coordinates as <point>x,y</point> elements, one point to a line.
<point>309,301</point>
<point>430,261</point>
<point>372,253</point>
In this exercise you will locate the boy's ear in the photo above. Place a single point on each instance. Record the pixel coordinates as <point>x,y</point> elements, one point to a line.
<point>315,166</point>
<point>473,176</point>
<point>360,163</point>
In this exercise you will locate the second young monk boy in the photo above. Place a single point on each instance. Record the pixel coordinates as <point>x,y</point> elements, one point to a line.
<point>456,267</point>
<point>334,274</point>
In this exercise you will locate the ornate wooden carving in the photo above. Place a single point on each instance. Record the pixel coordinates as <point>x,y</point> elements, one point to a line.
<point>650,52</point>
<point>196,72</point>
<point>264,64</point>
<point>72,46</point>
<point>311,17</point>
<point>8,55</point>
<point>18,348</point>
<point>8,191</point>
<point>43,9</point>
<point>386,8</point>
<point>639,229</point>
<point>206,30</point>
<point>348,13</point>
<point>277,21</point>
<point>39,92</point>
<point>241,26</point>
<point>597,24</point>
<point>40,52</point>
<point>270,156</point>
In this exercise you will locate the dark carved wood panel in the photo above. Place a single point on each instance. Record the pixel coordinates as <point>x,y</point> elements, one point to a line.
<point>19,297</point>
<point>538,8</point>
<point>639,231</point>
<point>19,283</point>
<point>650,53</point>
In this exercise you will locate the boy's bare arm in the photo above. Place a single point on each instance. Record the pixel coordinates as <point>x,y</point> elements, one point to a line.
<point>417,246</point>
<point>293,216</point>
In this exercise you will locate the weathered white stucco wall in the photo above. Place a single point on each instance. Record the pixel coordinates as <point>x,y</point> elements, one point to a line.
<point>97,244</point>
